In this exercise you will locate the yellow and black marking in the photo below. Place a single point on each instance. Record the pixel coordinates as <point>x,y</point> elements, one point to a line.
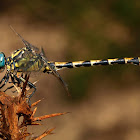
<point>23,60</point>
<point>76,64</point>
<point>12,61</point>
<point>19,63</point>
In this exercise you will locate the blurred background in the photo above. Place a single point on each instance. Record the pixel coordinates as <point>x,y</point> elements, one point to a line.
<point>105,102</point>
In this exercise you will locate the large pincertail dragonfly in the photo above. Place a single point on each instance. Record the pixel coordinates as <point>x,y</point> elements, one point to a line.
<point>31,59</point>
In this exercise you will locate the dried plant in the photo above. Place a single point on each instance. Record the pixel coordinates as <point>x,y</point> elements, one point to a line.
<point>12,108</point>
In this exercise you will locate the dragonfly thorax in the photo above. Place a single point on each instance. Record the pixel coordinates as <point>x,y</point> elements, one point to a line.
<point>2,61</point>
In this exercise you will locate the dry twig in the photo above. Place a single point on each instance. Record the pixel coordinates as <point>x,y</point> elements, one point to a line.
<point>12,108</point>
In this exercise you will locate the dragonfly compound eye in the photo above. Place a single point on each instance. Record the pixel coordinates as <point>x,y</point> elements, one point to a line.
<point>2,61</point>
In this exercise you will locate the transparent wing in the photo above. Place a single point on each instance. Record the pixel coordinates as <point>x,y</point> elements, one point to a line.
<point>32,61</point>
<point>54,72</point>
<point>26,43</point>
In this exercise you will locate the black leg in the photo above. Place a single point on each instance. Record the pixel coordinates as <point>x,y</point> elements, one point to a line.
<point>18,79</point>
<point>32,86</point>
<point>8,88</point>
<point>22,75</point>
<point>29,84</point>
<point>7,77</point>
<point>6,80</point>
<point>13,82</point>
<point>25,76</point>
<point>12,79</point>
<point>3,79</point>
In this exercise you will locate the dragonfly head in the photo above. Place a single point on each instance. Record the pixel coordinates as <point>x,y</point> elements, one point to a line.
<point>2,61</point>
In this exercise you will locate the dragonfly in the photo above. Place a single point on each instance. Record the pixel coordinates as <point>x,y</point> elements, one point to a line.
<point>31,59</point>
<point>26,60</point>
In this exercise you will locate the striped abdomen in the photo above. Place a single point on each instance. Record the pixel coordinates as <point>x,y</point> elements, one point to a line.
<point>76,64</point>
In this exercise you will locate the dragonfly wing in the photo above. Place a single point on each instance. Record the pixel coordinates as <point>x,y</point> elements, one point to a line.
<point>57,75</point>
<point>27,60</point>
<point>31,56</point>
<point>30,59</point>
<point>54,72</point>
<point>26,43</point>
<point>43,53</point>
<point>32,47</point>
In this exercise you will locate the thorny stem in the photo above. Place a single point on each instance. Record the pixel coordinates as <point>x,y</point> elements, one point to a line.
<point>12,108</point>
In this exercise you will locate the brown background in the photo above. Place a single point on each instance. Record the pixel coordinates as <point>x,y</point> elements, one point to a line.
<point>105,102</point>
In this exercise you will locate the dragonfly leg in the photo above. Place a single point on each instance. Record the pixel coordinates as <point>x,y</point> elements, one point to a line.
<point>8,88</point>
<point>6,80</point>
<point>13,82</point>
<point>3,79</point>
<point>31,85</point>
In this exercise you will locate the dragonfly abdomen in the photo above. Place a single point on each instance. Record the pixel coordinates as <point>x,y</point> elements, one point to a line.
<point>60,65</point>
